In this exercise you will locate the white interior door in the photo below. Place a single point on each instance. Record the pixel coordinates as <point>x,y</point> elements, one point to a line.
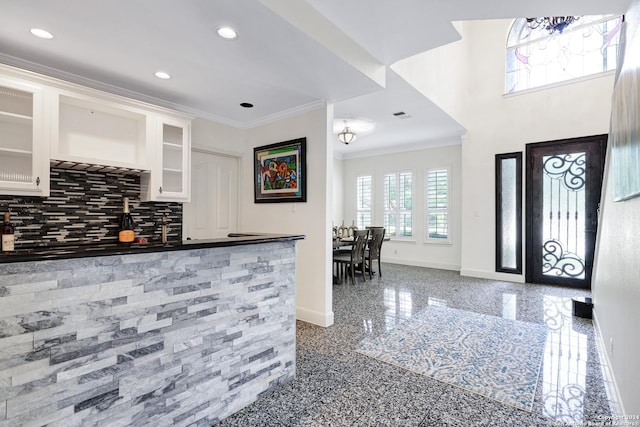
<point>213,210</point>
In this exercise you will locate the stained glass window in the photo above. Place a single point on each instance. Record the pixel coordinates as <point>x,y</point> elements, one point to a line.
<point>585,47</point>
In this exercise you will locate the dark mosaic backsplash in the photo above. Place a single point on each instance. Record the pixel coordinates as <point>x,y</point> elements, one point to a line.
<point>84,208</point>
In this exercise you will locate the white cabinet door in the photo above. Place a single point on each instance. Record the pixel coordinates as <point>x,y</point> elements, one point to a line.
<point>24,149</point>
<point>213,210</point>
<point>87,129</point>
<point>171,161</point>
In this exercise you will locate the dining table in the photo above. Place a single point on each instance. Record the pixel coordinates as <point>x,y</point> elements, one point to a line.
<point>341,242</point>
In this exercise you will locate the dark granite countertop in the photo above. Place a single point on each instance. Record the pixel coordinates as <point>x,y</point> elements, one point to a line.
<point>105,249</point>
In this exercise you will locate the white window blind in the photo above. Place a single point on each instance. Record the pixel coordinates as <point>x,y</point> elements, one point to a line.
<point>364,201</point>
<point>398,204</point>
<point>437,209</point>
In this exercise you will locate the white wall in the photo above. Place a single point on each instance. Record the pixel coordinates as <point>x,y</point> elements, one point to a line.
<point>616,293</point>
<point>446,64</point>
<point>217,138</point>
<point>413,251</point>
<point>313,218</point>
<point>501,124</point>
<point>497,123</point>
<point>616,287</point>
<point>337,212</point>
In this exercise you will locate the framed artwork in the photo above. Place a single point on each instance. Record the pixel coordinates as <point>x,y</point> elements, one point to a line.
<point>280,172</point>
<point>625,122</point>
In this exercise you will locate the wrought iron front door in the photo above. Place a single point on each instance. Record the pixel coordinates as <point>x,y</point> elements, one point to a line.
<point>564,179</point>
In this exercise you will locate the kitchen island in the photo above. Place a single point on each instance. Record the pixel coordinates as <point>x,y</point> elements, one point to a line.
<point>145,335</point>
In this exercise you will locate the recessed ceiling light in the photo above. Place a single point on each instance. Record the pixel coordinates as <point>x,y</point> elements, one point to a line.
<point>162,75</point>
<point>43,34</point>
<point>227,33</point>
<point>246,105</point>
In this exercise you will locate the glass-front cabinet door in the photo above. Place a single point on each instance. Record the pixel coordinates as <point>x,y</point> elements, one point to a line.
<point>24,156</point>
<point>173,170</point>
<point>169,178</point>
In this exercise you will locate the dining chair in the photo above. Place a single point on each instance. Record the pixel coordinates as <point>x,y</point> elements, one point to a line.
<point>344,261</point>
<point>346,241</point>
<point>373,249</point>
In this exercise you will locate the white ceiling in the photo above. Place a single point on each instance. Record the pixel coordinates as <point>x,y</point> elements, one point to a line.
<point>291,55</point>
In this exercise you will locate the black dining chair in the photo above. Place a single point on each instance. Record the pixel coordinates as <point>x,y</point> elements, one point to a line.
<point>345,242</point>
<point>373,249</point>
<point>347,262</point>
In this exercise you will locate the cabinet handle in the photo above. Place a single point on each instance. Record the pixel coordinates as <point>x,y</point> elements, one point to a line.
<point>160,189</point>
<point>38,182</point>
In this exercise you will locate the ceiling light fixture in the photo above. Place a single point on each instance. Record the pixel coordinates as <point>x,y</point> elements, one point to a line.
<point>162,75</point>
<point>246,104</point>
<point>347,136</point>
<point>348,128</point>
<point>551,23</point>
<point>227,33</point>
<point>43,34</point>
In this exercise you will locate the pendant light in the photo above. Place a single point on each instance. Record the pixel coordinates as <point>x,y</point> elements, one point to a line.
<point>347,136</point>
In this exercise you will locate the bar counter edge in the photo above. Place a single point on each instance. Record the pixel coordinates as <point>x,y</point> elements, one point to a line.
<point>92,250</point>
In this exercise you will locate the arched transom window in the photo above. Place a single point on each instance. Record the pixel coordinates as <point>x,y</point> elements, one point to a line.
<point>537,58</point>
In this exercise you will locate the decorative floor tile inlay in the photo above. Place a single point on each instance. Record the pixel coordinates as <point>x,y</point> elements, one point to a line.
<point>491,356</point>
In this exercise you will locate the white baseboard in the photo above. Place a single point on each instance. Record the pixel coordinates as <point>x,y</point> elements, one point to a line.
<point>314,317</point>
<point>418,263</point>
<point>492,275</point>
<point>613,392</point>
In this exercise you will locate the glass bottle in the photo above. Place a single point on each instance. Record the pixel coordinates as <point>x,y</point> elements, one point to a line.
<point>126,233</point>
<point>7,232</point>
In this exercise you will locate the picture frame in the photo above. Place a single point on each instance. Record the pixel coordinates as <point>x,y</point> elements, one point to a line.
<point>280,172</point>
<point>624,135</point>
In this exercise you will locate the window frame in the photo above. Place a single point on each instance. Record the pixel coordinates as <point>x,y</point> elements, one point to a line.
<point>397,211</point>
<point>371,197</point>
<point>427,210</point>
<point>539,36</point>
<point>499,214</point>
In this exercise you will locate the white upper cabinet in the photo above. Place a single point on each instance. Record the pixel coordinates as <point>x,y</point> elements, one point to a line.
<point>24,145</point>
<point>99,131</point>
<point>169,178</point>
<point>46,121</point>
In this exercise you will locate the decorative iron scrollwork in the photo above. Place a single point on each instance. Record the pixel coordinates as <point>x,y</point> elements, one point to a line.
<point>570,169</point>
<point>556,261</point>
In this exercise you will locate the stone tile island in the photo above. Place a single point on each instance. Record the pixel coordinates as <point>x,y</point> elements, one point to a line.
<point>182,335</point>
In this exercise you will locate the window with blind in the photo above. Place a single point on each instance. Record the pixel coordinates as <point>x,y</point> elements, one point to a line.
<point>364,201</point>
<point>437,201</point>
<point>398,204</point>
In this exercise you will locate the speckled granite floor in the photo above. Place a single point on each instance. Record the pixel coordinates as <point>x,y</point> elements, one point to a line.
<point>335,386</point>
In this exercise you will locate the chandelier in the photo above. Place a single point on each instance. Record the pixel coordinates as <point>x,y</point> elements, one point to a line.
<point>350,128</point>
<point>551,23</point>
<point>347,136</point>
